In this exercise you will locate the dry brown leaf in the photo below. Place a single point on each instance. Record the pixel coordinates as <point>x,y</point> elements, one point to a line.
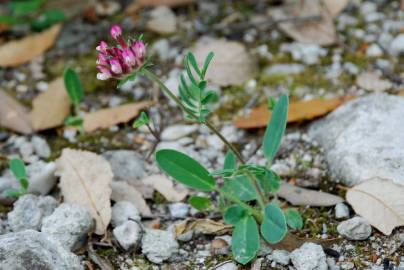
<point>301,196</point>
<point>85,180</point>
<point>21,51</point>
<point>233,65</point>
<point>106,118</point>
<point>166,187</point>
<point>321,32</point>
<point>204,226</point>
<point>335,7</point>
<point>381,202</point>
<point>50,108</point>
<point>122,191</point>
<point>13,115</point>
<point>298,111</point>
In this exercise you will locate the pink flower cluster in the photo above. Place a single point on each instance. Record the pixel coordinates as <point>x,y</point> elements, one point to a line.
<point>121,60</point>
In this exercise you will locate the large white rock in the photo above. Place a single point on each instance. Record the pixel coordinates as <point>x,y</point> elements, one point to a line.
<point>309,256</point>
<point>159,245</point>
<point>364,139</point>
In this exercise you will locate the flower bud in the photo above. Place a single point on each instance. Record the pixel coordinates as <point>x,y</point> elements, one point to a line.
<point>116,31</point>
<point>139,49</point>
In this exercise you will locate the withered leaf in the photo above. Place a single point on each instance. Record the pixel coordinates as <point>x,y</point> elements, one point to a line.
<point>13,115</point>
<point>165,187</point>
<point>204,226</point>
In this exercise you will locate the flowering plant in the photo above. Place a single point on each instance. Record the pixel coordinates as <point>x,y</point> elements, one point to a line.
<point>247,197</point>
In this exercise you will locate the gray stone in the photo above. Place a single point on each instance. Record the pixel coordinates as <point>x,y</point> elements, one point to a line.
<point>128,234</point>
<point>307,53</point>
<point>41,147</point>
<point>179,210</point>
<point>29,211</point>
<point>309,256</point>
<point>35,250</point>
<point>159,245</point>
<point>280,256</point>
<point>126,165</point>
<point>356,228</point>
<point>341,210</point>
<point>162,20</point>
<point>123,211</point>
<point>176,132</point>
<point>41,176</point>
<point>284,69</point>
<point>69,224</point>
<point>360,139</point>
<point>6,182</point>
<point>397,45</point>
<point>226,266</point>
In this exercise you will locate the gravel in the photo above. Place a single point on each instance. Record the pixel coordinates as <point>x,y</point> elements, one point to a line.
<point>128,234</point>
<point>123,211</point>
<point>356,228</point>
<point>309,256</point>
<point>126,165</point>
<point>159,245</point>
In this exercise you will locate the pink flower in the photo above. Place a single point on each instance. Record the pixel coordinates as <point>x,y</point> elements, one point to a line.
<point>120,60</point>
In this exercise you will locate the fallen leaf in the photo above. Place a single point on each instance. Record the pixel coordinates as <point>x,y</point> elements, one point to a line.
<point>85,180</point>
<point>298,111</point>
<point>301,196</point>
<point>321,32</point>
<point>13,115</point>
<point>232,64</point>
<point>335,7</point>
<point>292,242</point>
<point>106,118</point>
<point>21,51</point>
<point>122,191</point>
<point>380,202</point>
<point>166,187</point>
<point>50,108</point>
<point>204,226</point>
<point>371,81</point>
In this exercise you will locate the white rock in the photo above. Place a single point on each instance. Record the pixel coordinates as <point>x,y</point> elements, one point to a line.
<point>159,245</point>
<point>374,50</point>
<point>29,211</point>
<point>341,210</point>
<point>227,266</point>
<point>123,211</point>
<point>309,256</point>
<point>397,45</point>
<point>41,147</point>
<point>307,53</point>
<point>360,139</point>
<point>371,81</point>
<point>176,132</point>
<point>162,20</point>
<point>41,176</point>
<point>179,210</point>
<point>280,256</point>
<point>284,69</point>
<point>126,165</point>
<point>69,224</point>
<point>128,234</point>
<point>356,228</point>
<point>282,169</point>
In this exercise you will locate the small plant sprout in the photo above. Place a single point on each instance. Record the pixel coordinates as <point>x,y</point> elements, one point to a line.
<point>75,92</point>
<point>17,168</point>
<point>247,195</point>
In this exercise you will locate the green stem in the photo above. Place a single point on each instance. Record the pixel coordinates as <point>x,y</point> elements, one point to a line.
<point>261,197</point>
<point>154,78</point>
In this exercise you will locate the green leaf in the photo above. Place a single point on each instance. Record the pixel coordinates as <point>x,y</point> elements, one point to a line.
<point>185,170</point>
<point>143,119</point>
<point>269,182</point>
<point>210,97</point>
<point>200,203</point>
<point>24,183</point>
<point>48,19</point>
<point>294,219</point>
<point>230,161</point>
<point>192,60</point>
<point>74,121</point>
<point>241,188</point>
<point>189,71</point>
<point>271,103</point>
<point>73,85</point>
<point>234,214</point>
<point>10,20</point>
<point>276,128</point>
<point>13,193</point>
<point>273,228</point>
<point>208,58</point>
<point>245,241</point>
<point>17,167</point>
<point>21,8</point>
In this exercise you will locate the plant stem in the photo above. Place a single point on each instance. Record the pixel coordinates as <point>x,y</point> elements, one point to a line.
<point>154,78</point>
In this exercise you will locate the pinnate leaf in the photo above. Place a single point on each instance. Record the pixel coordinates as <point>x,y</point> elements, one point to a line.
<point>234,214</point>
<point>293,219</point>
<point>273,228</point>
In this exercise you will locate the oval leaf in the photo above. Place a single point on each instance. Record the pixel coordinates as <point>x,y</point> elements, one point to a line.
<point>234,214</point>
<point>273,228</point>
<point>185,170</point>
<point>17,167</point>
<point>241,188</point>
<point>293,219</point>
<point>230,161</point>
<point>73,85</point>
<point>200,203</point>
<point>276,128</point>
<point>245,240</point>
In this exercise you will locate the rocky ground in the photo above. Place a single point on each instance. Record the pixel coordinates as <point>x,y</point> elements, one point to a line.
<point>360,141</point>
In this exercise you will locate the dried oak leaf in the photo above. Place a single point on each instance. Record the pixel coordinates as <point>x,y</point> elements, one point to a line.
<point>321,32</point>
<point>13,115</point>
<point>50,108</point>
<point>106,118</point>
<point>381,202</point>
<point>298,111</point>
<point>21,51</point>
<point>85,180</point>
